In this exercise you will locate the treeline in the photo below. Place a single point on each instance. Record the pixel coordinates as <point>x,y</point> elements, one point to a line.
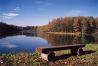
<point>71,24</point>
<point>7,29</point>
<point>34,28</point>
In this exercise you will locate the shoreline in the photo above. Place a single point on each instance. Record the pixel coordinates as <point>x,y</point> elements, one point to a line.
<point>65,33</point>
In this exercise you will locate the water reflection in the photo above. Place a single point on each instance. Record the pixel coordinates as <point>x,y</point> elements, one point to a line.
<point>89,39</point>
<point>56,40</point>
<point>18,33</point>
<point>21,43</point>
<point>29,41</point>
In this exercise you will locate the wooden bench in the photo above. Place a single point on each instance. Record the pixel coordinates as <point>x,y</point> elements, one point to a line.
<point>47,53</point>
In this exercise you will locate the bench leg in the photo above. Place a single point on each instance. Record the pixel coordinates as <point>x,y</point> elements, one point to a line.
<point>74,51</point>
<point>80,51</point>
<point>48,57</point>
<point>77,51</point>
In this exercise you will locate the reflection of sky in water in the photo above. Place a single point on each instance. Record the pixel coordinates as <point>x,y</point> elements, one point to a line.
<point>21,43</point>
<point>8,45</point>
<point>24,43</point>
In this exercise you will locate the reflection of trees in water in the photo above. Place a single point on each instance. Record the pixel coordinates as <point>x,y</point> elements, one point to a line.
<point>55,39</point>
<point>89,39</point>
<point>60,39</point>
<point>17,33</point>
<point>5,35</point>
<point>96,37</point>
<point>27,33</point>
<point>77,40</point>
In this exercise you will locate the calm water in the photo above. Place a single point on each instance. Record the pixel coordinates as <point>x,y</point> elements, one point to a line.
<point>29,42</point>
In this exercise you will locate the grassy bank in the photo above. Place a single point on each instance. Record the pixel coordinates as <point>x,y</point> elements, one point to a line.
<point>34,59</point>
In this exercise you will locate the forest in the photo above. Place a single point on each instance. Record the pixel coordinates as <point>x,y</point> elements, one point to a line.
<point>71,25</point>
<point>8,29</point>
<point>11,29</point>
<point>80,24</point>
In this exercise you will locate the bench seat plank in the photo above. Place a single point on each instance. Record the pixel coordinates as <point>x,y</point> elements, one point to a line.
<point>57,48</point>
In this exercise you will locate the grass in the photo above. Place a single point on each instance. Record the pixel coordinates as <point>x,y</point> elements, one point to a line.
<point>34,59</point>
<point>91,47</point>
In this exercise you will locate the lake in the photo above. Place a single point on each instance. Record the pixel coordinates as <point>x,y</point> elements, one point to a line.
<point>22,42</point>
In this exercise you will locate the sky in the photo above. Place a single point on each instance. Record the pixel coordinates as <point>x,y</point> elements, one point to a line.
<point>40,12</point>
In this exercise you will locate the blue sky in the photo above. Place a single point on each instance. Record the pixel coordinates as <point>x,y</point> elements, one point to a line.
<point>40,12</point>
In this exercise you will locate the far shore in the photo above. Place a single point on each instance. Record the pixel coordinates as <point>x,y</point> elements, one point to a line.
<point>64,33</point>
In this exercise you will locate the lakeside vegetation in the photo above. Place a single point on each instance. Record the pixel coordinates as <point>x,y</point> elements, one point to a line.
<point>11,29</point>
<point>80,24</point>
<point>8,29</point>
<point>34,59</point>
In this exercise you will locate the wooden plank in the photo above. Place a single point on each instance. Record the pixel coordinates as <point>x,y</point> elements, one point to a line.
<point>57,48</point>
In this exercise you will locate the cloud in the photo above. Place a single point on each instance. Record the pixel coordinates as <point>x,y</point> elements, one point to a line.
<point>9,15</point>
<point>75,13</point>
<point>16,9</point>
